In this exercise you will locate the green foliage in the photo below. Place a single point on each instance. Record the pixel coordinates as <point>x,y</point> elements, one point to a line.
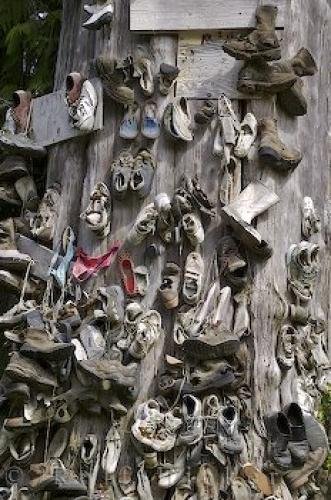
<point>29,33</point>
<point>324,415</point>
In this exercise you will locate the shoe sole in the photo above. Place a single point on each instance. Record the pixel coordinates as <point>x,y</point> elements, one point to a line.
<point>200,350</point>
<point>254,86</point>
<point>268,55</point>
<point>104,19</point>
<point>273,159</point>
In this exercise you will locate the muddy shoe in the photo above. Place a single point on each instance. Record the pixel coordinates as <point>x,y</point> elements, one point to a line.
<point>230,440</point>
<point>262,41</point>
<point>193,229</point>
<point>25,370</point>
<point>13,168</point>
<point>193,278</point>
<point>292,100</point>
<point>279,434</point>
<point>113,77</point>
<point>129,126</point>
<point>37,345</point>
<point>100,15</point>
<point>148,331</point>
<point>144,225</point>
<point>192,430</point>
<point>255,199</point>
<point>44,223</point>
<point>169,288</point>
<point>167,77</point>
<point>303,63</point>
<point>142,173</point>
<point>259,76</point>
<point>232,266</point>
<point>272,151</point>
<point>121,170</point>
<point>206,113</point>
<point>98,212</point>
<point>113,370</point>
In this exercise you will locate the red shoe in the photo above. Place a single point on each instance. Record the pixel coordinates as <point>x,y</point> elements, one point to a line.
<point>127,274</point>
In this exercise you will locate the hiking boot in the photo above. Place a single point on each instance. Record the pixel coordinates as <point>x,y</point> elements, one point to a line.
<point>167,77</point>
<point>232,266</point>
<point>113,77</point>
<point>10,257</point>
<point>169,288</point>
<point>272,152</point>
<point>259,76</point>
<point>100,15</point>
<point>255,199</point>
<point>262,41</point>
<point>27,191</point>
<point>112,370</point>
<point>37,345</point>
<point>230,440</point>
<point>279,435</point>
<point>193,426</point>
<point>303,63</point>
<point>298,444</point>
<point>97,214</point>
<point>13,168</point>
<point>26,370</point>
<point>303,269</point>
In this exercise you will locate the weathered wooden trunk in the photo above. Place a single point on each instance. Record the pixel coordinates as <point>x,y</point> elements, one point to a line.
<point>80,163</point>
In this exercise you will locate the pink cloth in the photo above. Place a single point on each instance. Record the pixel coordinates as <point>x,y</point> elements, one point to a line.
<point>86,266</point>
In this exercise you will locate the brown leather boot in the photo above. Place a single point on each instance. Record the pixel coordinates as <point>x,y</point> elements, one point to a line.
<point>259,76</point>
<point>21,110</point>
<point>262,41</point>
<point>272,151</point>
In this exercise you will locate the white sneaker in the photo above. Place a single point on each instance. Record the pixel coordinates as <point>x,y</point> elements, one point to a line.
<point>148,331</point>
<point>100,15</point>
<point>83,113</point>
<point>112,451</point>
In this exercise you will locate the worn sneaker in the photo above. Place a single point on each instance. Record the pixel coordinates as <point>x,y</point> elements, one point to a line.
<point>148,332</point>
<point>167,77</point>
<point>232,266</point>
<point>298,444</point>
<point>113,76</point>
<point>82,112</point>
<point>303,268</point>
<point>230,440</point>
<point>192,430</point>
<point>193,278</point>
<point>98,213</point>
<point>310,220</point>
<point>129,127</point>
<point>177,119</point>
<point>272,151</point>
<point>279,435</point>
<point>26,370</point>
<point>169,288</point>
<point>100,15</point>
<point>142,173</point>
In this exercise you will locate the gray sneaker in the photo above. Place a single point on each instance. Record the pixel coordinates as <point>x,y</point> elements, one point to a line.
<point>230,440</point>
<point>193,425</point>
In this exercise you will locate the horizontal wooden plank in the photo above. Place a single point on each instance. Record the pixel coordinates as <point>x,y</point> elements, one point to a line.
<point>50,120</point>
<point>206,71</point>
<point>183,15</point>
<point>42,256</point>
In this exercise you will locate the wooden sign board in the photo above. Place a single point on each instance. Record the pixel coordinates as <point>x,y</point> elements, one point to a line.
<point>50,122</point>
<point>192,15</point>
<point>206,71</point>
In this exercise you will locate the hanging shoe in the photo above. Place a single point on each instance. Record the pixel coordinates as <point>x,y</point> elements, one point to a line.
<point>13,168</point>
<point>193,278</point>
<point>232,266</point>
<point>167,77</point>
<point>247,136</point>
<point>206,113</point>
<point>148,331</point>
<point>100,15</point>
<point>177,119</point>
<point>272,152</point>
<point>27,191</point>
<point>10,258</point>
<point>97,214</point>
<point>150,124</point>
<point>192,431</point>
<point>83,111</point>
<point>38,346</point>
<point>142,279</point>
<point>144,225</point>
<point>121,170</point>
<point>129,128</point>
<point>208,482</point>
<point>310,221</point>
<point>143,71</point>
<point>259,76</point>
<point>44,223</point>
<point>170,473</point>
<point>230,440</point>
<point>261,42</point>
<point>193,229</point>
<point>169,288</point>
<point>25,370</point>
<point>298,444</point>
<point>112,451</point>
<point>113,78</point>
<point>255,199</point>
<point>279,434</point>
<point>128,277</point>
<point>19,112</point>
<point>142,173</point>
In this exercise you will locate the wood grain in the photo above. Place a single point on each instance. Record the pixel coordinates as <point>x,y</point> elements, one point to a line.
<point>188,15</point>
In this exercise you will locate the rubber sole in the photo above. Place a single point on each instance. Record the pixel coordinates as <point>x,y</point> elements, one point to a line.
<point>273,159</point>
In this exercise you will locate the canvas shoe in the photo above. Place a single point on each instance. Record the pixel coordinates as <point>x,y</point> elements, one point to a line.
<point>121,169</point>
<point>167,77</point>
<point>192,430</point>
<point>147,334</point>
<point>279,434</point>
<point>129,127</point>
<point>150,124</point>
<point>142,173</point>
<point>259,76</point>
<point>82,112</point>
<point>177,120</point>
<point>272,151</point>
<point>261,42</point>
<point>303,268</point>
<point>143,71</point>
<point>247,136</point>
<point>144,225</point>
<point>112,451</point>
<point>310,221</point>
<point>98,213</point>
<point>193,229</point>
<point>128,276</point>
<point>193,278</point>
<point>230,440</point>
<point>19,113</point>
<point>171,472</point>
<point>255,199</point>
<point>169,288</point>
<point>100,15</point>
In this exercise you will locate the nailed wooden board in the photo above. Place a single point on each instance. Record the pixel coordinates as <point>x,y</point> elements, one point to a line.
<point>50,120</point>
<point>206,71</point>
<point>183,15</point>
<point>41,255</point>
